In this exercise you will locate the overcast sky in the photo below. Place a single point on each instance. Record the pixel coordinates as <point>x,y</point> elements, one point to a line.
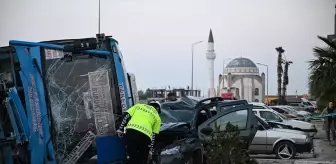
<point>155,36</point>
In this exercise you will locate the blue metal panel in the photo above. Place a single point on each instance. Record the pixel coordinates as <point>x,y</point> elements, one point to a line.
<point>19,113</point>
<point>13,122</point>
<point>40,139</point>
<point>41,108</point>
<point>122,83</point>
<point>52,46</point>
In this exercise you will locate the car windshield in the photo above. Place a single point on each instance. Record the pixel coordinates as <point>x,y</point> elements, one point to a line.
<point>290,109</point>
<point>168,116</point>
<point>280,115</point>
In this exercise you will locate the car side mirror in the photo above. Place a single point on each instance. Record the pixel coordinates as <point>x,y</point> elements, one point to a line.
<point>207,130</point>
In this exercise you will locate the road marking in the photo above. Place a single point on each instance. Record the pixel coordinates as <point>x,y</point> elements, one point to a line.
<point>278,161</point>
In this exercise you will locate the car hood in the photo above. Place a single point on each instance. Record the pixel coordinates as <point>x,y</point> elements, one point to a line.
<point>299,124</point>
<point>303,113</point>
<point>172,125</point>
<point>287,131</point>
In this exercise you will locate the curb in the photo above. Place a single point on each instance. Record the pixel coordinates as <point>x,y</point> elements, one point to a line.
<point>277,161</point>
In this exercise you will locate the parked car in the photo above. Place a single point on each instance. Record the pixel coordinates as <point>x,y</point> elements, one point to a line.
<point>282,142</point>
<point>302,112</point>
<point>302,106</point>
<point>285,112</point>
<point>184,128</point>
<point>271,115</point>
<point>290,112</point>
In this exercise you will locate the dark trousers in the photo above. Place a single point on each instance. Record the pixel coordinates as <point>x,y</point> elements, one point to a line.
<point>137,146</point>
<point>330,127</point>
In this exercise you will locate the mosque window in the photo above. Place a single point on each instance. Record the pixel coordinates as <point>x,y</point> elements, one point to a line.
<point>256,91</point>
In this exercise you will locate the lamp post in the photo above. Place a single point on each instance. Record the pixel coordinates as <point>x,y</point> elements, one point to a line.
<point>267,75</point>
<point>192,66</point>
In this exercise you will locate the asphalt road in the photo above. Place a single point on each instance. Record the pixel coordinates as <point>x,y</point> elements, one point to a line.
<point>325,153</point>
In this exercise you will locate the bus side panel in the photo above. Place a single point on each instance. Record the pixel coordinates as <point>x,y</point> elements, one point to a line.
<point>29,58</point>
<point>122,82</point>
<point>131,97</point>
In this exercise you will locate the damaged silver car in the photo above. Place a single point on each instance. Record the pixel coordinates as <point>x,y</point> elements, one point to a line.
<point>186,128</point>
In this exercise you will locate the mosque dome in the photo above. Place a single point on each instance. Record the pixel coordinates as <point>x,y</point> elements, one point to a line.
<point>241,66</point>
<point>241,62</point>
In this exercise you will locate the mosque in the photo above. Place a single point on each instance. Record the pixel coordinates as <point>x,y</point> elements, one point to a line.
<point>242,80</point>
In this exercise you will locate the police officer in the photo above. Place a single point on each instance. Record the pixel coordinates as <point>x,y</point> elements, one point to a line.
<point>142,123</point>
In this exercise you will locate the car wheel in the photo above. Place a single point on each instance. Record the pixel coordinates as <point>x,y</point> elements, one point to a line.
<point>285,150</point>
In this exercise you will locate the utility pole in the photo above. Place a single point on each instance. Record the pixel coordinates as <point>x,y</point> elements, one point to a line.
<point>333,36</point>
<point>98,16</point>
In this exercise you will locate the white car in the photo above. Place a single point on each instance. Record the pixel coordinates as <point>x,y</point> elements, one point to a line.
<point>268,114</point>
<point>303,113</point>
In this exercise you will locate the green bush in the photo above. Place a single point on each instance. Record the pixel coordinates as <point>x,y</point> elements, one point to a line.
<point>226,147</point>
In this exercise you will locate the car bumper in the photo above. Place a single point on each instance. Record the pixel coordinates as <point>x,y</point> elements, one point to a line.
<point>310,132</point>
<point>303,148</point>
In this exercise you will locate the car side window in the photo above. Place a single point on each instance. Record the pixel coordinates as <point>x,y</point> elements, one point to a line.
<point>237,118</point>
<point>269,116</point>
<point>278,110</point>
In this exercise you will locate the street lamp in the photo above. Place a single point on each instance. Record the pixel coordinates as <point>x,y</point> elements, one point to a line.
<point>192,66</point>
<point>266,73</point>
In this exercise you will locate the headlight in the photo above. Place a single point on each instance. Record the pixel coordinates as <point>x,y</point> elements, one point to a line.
<point>308,139</point>
<point>170,151</point>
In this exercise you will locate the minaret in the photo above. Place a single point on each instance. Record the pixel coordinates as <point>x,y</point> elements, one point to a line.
<point>211,56</point>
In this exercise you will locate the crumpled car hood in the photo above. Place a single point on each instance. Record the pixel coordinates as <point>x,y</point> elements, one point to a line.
<point>172,125</point>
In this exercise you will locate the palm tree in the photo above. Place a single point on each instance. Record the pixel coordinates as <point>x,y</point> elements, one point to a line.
<point>285,79</point>
<point>279,71</point>
<point>322,78</point>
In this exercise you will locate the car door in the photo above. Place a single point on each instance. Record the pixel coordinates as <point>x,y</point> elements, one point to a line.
<point>259,142</point>
<point>240,116</point>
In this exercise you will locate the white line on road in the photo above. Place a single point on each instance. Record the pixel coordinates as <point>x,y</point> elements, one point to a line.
<point>267,161</point>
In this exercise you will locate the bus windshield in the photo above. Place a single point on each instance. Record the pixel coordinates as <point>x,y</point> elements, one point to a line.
<point>69,82</point>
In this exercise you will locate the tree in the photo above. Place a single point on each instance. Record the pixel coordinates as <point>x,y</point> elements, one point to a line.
<point>322,77</point>
<point>279,72</point>
<point>142,95</point>
<point>226,147</point>
<point>285,80</point>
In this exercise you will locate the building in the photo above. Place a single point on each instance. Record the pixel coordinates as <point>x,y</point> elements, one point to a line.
<point>241,78</point>
<point>161,94</point>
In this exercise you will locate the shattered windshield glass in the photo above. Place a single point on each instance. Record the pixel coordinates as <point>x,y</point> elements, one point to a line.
<point>79,95</point>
